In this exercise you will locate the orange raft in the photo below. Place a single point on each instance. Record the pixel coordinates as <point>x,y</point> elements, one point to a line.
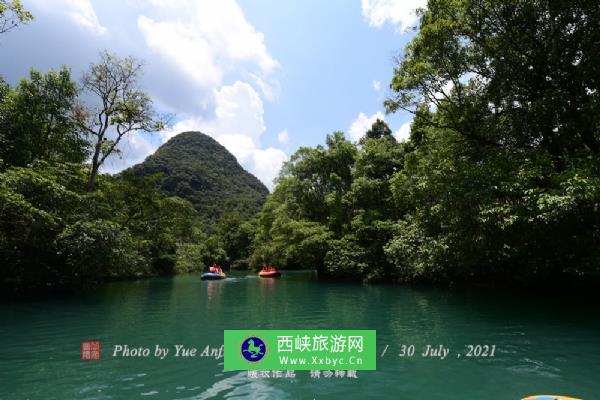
<point>269,272</point>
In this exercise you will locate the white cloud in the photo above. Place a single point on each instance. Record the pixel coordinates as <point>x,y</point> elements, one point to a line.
<point>269,86</point>
<point>79,11</point>
<point>403,133</point>
<point>223,24</point>
<point>362,124</point>
<point>178,43</point>
<point>185,125</point>
<point>238,113</point>
<point>168,3</point>
<point>376,85</point>
<point>82,12</point>
<point>207,38</point>
<point>206,63</point>
<point>267,163</point>
<point>239,110</point>
<point>283,136</point>
<point>135,147</point>
<point>398,12</point>
<point>241,146</point>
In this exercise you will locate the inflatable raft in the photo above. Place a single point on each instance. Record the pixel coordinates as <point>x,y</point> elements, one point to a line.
<point>212,276</point>
<point>269,274</point>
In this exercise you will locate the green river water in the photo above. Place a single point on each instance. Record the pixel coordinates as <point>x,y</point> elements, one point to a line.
<point>544,344</point>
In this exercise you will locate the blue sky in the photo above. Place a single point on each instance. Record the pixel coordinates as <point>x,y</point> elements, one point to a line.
<point>263,77</point>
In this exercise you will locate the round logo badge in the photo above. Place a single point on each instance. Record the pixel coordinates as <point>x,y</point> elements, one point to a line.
<point>253,349</point>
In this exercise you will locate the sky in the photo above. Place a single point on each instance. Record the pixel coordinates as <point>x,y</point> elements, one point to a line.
<point>263,77</point>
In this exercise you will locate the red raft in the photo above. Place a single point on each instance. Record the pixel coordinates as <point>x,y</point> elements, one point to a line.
<point>269,272</point>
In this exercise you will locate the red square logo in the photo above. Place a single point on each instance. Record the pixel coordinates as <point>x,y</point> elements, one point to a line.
<point>90,350</point>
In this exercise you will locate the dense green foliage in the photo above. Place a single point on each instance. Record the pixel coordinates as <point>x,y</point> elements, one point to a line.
<point>332,208</point>
<point>35,120</point>
<point>197,168</point>
<point>54,233</point>
<point>500,179</point>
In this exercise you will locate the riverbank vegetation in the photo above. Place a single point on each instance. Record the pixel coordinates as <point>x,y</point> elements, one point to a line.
<point>59,228</point>
<point>498,182</point>
<point>65,224</point>
<point>500,178</point>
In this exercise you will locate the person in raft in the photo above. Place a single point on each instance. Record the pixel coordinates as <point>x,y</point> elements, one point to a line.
<point>215,269</point>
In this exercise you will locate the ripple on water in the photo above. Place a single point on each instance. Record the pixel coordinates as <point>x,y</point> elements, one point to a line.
<point>536,367</point>
<point>239,386</point>
<point>39,341</point>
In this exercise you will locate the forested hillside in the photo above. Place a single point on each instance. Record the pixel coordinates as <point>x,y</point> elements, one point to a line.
<point>197,168</point>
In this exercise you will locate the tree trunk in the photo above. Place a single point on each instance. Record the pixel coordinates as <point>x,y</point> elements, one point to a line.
<point>94,168</point>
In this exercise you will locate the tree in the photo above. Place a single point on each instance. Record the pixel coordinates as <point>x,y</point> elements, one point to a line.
<point>378,130</point>
<point>517,74</point>
<point>374,214</point>
<point>12,14</point>
<point>346,259</point>
<point>37,121</point>
<point>96,250</point>
<point>122,108</point>
<point>54,233</point>
<point>318,178</point>
<point>502,174</point>
<point>235,234</point>
<point>4,88</point>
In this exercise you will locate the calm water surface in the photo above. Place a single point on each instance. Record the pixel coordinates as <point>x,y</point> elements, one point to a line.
<point>543,345</point>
